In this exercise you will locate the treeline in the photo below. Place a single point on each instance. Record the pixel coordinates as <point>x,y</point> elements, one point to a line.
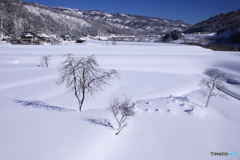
<point>234,36</point>
<point>171,36</point>
<point>226,26</point>
<point>222,21</point>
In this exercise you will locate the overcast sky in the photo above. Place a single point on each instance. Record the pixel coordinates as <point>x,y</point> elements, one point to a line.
<point>190,11</point>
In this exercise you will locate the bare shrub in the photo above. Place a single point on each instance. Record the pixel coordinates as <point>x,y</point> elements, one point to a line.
<point>114,42</point>
<point>122,109</point>
<point>44,61</point>
<point>211,83</point>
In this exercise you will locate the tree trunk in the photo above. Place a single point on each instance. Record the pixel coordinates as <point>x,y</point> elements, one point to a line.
<point>75,88</point>
<point>208,98</point>
<point>207,101</point>
<point>76,94</point>
<point>79,102</point>
<point>83,97</point>
<point>83,91</point>
<point>119,131</point>
<point>46,61</point>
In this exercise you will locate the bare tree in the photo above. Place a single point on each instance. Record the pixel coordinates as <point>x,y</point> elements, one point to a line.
<point>211,83</point>
<point>45,60</point>
<point>122,109</point>
<point>83,76</point>
<point>114,42</point>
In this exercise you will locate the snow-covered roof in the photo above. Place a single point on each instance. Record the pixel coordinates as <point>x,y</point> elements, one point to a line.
<point>43,35</point>
<point>28,35</point>
<point>81,39</point>
<point>6,37</point>
<point>122,36</point>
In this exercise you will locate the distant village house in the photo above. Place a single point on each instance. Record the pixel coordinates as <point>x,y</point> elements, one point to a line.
<point>122,38</point>
<point>29,38</point>
<point>69,37</point>
<point>80,40</point>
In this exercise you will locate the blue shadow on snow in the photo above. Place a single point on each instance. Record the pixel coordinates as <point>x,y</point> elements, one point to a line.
<point>38,104</point>
<point>101,121</point>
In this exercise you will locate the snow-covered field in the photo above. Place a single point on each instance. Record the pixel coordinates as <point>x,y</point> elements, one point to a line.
<point>39,119</point>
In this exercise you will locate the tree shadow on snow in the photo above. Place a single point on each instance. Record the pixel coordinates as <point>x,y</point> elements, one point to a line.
<point>38,104</point>
<point>101,121</point>
<point>233,82</point>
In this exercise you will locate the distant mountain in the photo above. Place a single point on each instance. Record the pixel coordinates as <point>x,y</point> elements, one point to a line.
<point>227,27</point>
<point>17,16</point>
<point>150,25</point>
<point>217,23</point>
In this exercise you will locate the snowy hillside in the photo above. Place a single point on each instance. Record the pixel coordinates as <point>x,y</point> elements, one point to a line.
<point>39,119</point>
<point>217,23</point>
<point>21,16</point>
<point>148,24</point>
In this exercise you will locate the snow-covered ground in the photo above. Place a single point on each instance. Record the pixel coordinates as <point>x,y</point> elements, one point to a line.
<point>39,119</point>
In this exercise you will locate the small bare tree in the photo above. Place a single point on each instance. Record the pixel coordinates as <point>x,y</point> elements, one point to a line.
<point>122,109</point>
<point>83,76</point>
<point>212,82</point>
<point>45,60</point>
<point>114,42</point>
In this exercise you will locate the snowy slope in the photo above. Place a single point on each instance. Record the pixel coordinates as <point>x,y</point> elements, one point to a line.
<point>39,120</point>
<point>56,16</point>
<point>150,25</point>
<point>60,21</point>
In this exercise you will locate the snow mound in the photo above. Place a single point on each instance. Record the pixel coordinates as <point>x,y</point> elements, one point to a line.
<point>89,44</point>
<point>172,105</point>
<point>9,61</point>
